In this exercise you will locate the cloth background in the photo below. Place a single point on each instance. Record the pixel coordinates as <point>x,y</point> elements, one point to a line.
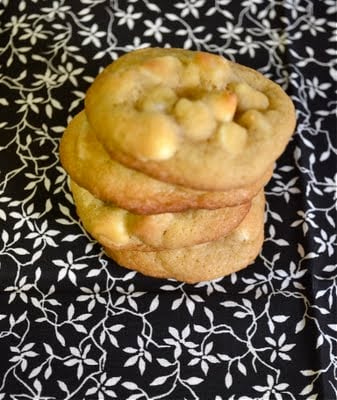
<point>74,325</point>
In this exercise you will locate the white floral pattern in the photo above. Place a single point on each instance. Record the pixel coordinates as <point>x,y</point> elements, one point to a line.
<point>74,325</point>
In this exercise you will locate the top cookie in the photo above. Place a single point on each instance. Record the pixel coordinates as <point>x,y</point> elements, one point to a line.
<point>190,118</point>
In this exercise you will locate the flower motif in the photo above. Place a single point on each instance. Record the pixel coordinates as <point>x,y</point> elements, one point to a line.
<point>286,189</point>
<point>43,235</point>
<point>128,17</point>
<point>22,354</point>
<point>25,217</point>
<point>19,290</point>
<point>230,31</point>
<point>92,36</point>
<point>212,286</point>
<point>188,300</point>
<point>29,102</point>
<point>48,79</point>
<point>34,34</point>
<point>295,7</point>
<point>80,359</point>
<point>139,355</point>
<point>17,23</point>
<point>307,218</point>
<point>68,72</point>
<point>314,25</point>
<point>190,33</point>
<point>190,7</point>
<point>103,387</point>
<point>128,295</point>
<point>316,88</point>
<point>248,46</point>
<point>326,243</point>
<point>156,29</point>
<point>67,268</point>
<point>277,40</point>
<point>272,390</point>
<point>177,340</point>
<point>56,10</point>
<point>137,44</point>
<point>290,276</point>
<point>93,295</point>
<point>203,357</point>
<point>279,348</point>
<point>261,283</point>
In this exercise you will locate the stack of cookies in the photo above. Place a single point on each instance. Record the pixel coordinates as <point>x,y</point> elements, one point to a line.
<point>168,161</point>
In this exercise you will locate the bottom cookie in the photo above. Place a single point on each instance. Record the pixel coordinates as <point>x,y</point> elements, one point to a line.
<point>205,261</point>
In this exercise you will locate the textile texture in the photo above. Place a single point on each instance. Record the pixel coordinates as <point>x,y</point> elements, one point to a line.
<point>73,324</point>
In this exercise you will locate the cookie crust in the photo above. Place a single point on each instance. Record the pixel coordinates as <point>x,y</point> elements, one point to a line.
<point>165,143</point>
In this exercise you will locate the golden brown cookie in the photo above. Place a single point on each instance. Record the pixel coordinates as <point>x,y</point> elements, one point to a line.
<point>204,261</point>
<point>117,228</point>
<point>190,118</point>
<point>89,165</point>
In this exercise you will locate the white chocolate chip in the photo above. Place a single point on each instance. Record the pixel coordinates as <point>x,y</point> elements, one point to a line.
<point>158,99</point>
<point>125,87</point>
<point>249,98</point>
<point>162,70</point>
<point>214,70</point>
<point>222,104</point>
<point>242,234</point>
<point>160,140</point>
<point>144,135</point>
<point>256,123</point>
<point>151,229</point>
<point>190,76</point>
<point>232,137</point>
<point>115,229</point>
<point>195,118</point>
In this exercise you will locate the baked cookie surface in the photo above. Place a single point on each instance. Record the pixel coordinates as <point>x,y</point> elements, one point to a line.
<point>90,166</point>
<point>190,118</point>
<point>117,228</point>
<point>204,261</point>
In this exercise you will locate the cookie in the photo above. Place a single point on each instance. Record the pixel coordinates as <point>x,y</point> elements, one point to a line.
<point>117,228</point>
<point>190,118</point>
<point>204,261</point>
<point>89,165</point>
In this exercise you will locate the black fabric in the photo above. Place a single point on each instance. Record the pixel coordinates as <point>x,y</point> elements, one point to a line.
<point>73,324</point>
